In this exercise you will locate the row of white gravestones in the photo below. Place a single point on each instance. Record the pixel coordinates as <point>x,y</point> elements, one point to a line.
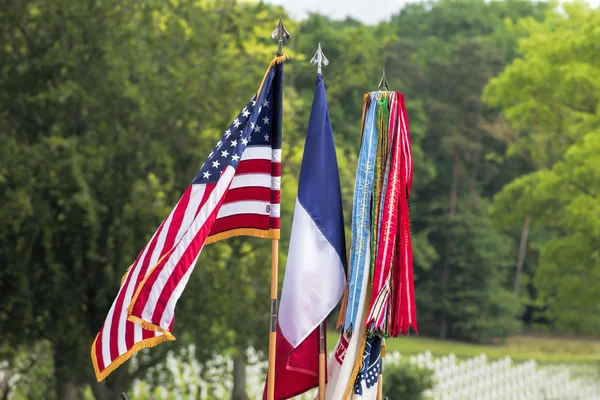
<point>473,378</point>
<point>477,378</point>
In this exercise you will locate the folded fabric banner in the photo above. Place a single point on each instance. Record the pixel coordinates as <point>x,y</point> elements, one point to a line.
<point>379,301</point>
<point>243,168</point>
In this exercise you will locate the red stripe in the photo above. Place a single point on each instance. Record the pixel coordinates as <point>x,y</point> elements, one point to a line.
<point>253,167</point>
<point>236,221</point>
<point>142,299</point>
<point>275,196</point>
<point>248,193</point>
<point>185,263</point>
<point>274,223</point>
<point>98,351</point>
<point>276,169</point>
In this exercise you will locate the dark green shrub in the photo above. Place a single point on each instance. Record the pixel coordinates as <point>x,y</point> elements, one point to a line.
<point>406,382</point>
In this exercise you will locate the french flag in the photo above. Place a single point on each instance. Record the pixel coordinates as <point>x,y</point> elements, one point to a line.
<point>315,273</point>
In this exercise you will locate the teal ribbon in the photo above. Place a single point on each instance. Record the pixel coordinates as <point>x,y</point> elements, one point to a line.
<point>360,256</point>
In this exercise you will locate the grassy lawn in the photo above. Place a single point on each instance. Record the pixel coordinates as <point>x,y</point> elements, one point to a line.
<point>541,349</point>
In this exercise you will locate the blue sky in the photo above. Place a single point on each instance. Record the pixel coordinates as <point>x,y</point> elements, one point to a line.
<point>366,11</point>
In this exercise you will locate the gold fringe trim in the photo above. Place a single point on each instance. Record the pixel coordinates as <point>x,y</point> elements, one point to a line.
<point>383,348</point>
<point>117,362</point>
<point>125,275</point>
<point>275,61</point>
<point>149,326</point>
<point>259,233</point>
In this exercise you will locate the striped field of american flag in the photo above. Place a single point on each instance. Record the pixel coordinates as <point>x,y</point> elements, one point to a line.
<point>236,192</point>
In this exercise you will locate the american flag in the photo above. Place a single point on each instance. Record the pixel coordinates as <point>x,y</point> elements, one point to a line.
<point>236,192</point>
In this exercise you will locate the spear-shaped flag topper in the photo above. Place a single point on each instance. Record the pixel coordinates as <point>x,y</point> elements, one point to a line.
<point>319,58</point>
<point>282,34</point>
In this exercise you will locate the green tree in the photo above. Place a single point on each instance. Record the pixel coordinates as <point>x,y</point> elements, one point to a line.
<point>108,109</point>
<point>446,53</point>
<point>550,97</point>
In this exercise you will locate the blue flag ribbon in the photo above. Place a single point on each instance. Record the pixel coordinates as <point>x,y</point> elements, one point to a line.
<point>360,256</point>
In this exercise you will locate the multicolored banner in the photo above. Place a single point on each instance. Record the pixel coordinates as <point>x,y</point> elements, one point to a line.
<point>379,301</point>
<point>381,218</point>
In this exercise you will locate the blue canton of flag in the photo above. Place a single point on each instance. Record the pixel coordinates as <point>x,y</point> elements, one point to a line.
<point>368,375</point>
<point>237,137</point>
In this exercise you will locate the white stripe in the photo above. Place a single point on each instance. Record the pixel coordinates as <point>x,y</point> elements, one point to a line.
<point>257,153</point>
<point>212,201</point>
<point>276,183</point>
<point>167,317</point>
<point>275,210</point>
<point>276,155</point>
<point>244,207</point>
<point>314,279</point>
<point>190,211</point>
<point>248,180</point>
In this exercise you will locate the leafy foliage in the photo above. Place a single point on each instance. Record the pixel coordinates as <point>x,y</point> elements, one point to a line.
<point>107,108</point>
<point>407,381</point>
<point>551,97</point>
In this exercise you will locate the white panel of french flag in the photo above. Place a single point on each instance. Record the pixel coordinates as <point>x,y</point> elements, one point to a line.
<point>315,273</point>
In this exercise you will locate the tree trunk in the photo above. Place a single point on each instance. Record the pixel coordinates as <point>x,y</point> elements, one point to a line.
<point>101,391</point>
<point>522,251</point>
<point>449,244</point>
<point>117,382</point>
<point>239,376</point>
<point>66,391</point>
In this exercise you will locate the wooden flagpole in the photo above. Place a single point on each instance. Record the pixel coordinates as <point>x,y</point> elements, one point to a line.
<point>273,327</point>
<point>319,59</point>
<point>280,33</point>
<point>322,361</point>
<point>380,381</point>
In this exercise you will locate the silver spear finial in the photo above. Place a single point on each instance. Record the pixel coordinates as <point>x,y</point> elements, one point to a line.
<point>384,86</point>
<point>319,59</point>
<point>281,33</point>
